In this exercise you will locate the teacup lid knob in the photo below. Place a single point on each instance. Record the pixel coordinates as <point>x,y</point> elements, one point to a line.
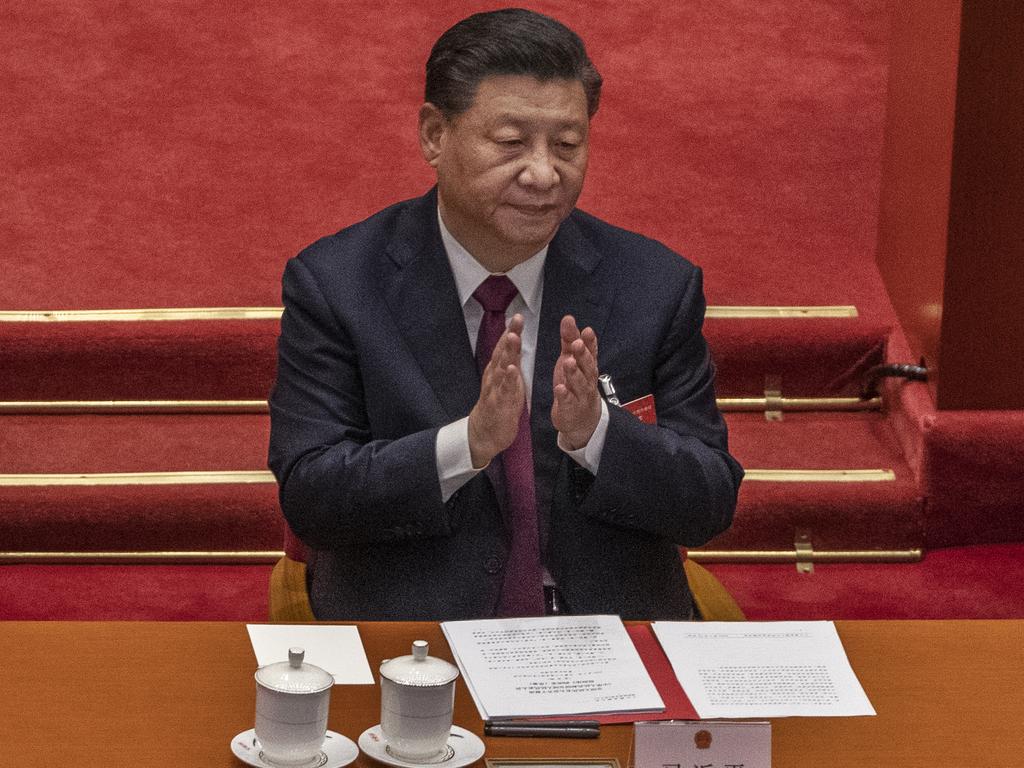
<point>419,669</point>
<point>295,675</point>
<point>420,649</point>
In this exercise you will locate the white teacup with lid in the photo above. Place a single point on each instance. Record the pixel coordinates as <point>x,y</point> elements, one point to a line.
<point>417,695</point>
<point>292,700</point>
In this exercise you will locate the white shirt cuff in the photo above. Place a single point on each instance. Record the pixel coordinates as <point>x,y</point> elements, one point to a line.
<point>454,462</point>
<point>589,456</point>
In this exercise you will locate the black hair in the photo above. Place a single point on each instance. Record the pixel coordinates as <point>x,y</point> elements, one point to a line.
<point>510,41</point>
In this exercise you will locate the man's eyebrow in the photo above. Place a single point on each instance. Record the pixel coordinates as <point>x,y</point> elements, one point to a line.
<point>516,121</point>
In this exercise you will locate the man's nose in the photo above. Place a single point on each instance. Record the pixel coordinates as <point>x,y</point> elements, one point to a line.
<point>540,171</point>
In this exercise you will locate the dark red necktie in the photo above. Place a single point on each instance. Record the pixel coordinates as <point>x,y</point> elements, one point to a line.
<point>522,592</point>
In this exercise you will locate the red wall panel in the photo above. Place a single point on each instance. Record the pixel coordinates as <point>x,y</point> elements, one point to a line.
<point>951,224</point>
<point>981,354</point>
<point>916,164</point>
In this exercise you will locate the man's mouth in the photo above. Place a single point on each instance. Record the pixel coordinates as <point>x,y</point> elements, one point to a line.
<point>532,209</point>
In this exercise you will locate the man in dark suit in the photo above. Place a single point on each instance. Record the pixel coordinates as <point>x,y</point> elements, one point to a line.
<point>438,432</point>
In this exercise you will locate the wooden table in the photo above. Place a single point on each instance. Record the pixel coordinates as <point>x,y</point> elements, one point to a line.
<point>947,693</point>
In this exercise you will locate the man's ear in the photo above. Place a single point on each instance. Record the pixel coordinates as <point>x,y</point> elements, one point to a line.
<point>432,127</point>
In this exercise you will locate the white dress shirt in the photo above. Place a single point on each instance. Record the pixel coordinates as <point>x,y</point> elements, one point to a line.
<point>454,464</point>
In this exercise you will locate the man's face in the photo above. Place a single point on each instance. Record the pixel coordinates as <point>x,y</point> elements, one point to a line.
<point>509,168</point>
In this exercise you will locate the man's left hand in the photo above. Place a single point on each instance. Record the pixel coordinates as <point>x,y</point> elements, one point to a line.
<point>576,409</point>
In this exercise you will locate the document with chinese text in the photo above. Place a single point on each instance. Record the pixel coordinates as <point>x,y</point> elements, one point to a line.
<point>763,669</point>
<point>555,665</point>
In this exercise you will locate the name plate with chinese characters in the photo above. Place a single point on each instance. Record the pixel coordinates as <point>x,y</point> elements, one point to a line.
<point>703,744</point>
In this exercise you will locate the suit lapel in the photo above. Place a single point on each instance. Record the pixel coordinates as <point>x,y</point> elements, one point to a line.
<point>421,294</point>
<point>572,286</point>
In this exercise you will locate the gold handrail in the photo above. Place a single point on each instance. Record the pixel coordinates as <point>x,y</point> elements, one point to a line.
<point>272,556</point>
<point>139,315</point>
<point>797,404</point>
<point>119,557</point>
<point>818,556</point>
<point>819,475</point>
<point>225,477</point>
<point>725,312</point>
<point>73,407</point>
<point>806,312</point>
<point>136,478</point>
<point>79,407</point>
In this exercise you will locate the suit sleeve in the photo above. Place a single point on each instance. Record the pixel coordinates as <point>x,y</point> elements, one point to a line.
<point>674,479</point>
<point>337,483</point>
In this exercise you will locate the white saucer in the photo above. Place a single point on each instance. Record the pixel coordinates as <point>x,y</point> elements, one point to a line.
<point>464,747</point>
<point>336,752</point>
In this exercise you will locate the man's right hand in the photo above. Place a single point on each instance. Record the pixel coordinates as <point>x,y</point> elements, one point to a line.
<point>494,420</point>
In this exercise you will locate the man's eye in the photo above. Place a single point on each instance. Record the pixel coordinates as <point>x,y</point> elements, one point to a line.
<point>510,142</point>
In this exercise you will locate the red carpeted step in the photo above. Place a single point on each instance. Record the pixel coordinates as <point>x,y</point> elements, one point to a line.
<point>837,516</point>
<point>148,360</point>
<point>968,463</point>
<point>197,515</point>
<point>977,582</point>
<point>236,359</point>
<point>810,357</point>
<point>187,512</point>
<point>134,592</point>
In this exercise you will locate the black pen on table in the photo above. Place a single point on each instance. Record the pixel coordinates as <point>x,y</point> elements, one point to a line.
<point>555,729</point>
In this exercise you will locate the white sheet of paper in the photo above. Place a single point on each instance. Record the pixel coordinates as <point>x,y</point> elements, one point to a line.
<point>338,650</point>
<point>763,669</point>
<point>554,665</point>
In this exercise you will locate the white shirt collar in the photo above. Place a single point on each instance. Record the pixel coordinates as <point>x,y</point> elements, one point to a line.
<point>469,273</point>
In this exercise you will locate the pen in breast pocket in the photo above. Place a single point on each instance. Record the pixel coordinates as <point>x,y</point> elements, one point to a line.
<point>604,382</point>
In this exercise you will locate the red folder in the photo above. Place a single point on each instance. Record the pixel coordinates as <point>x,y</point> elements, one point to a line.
<point>677,703</point>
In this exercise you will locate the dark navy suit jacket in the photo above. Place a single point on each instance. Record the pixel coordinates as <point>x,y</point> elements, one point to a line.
<point>374,358</point>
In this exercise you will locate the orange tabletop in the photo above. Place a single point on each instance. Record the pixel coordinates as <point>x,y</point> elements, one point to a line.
<point>947,693</point>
